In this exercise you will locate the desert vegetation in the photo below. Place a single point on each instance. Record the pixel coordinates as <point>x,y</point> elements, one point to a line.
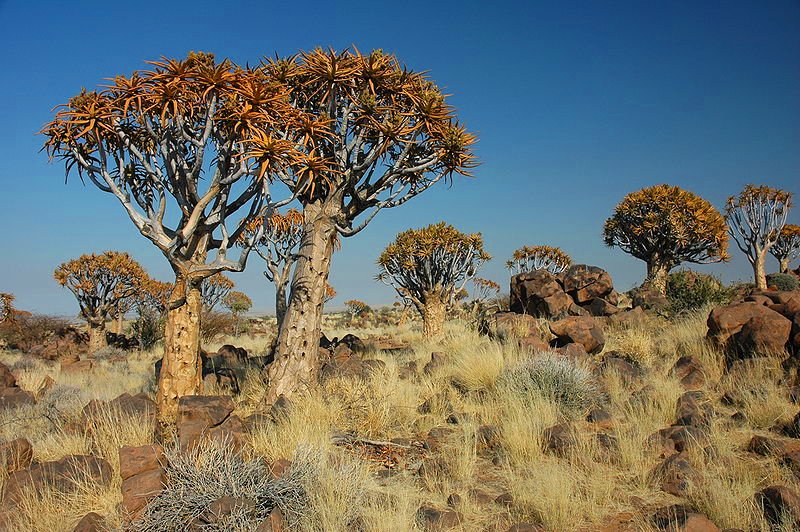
<point>566,404</point>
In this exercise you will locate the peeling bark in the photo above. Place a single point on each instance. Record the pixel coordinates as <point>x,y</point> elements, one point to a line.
<point>297,347</point>
<point>434,312</point>
<point>97,336</point>
<point>280,303</point>
<point>181,372</point>
<point>657,276</point>
<point>759,271</point>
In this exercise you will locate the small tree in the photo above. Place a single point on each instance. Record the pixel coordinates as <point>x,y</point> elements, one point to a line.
<point>375,135</point>
<point>99,282</point>
<point>6,307</point>
<point>237,303</point>
<point>528,259</point>
<point>151,305</point>
<point>755,220</point>
<point>429,267</point>
<point>356,308</point>
<point>280,237</point>
<point>666,226</point>
<point>173,146</point>
<point>787,247</point>
<point>214,290</point>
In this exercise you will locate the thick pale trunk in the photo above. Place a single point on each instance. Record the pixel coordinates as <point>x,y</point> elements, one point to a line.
<point>97,336</point>
<point>657,277</point>
<point>280,303</point>
<point>181,372</point>
<point>297,347</point>
<point>403,316</point>
<point>434,311</point>
<point>759,273</point>
<point>784,265</point>
<point>116,323</point>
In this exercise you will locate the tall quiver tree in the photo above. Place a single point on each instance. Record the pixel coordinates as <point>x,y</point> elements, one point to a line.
<point>172,145</point>
<point>429,267</point>
<point>755,220</point>
<point>787,247</point>
<point>375,135</point>
<point>280,238</point>
<point>666,226</point>
<point>6,307</point>
<point>99,283</point>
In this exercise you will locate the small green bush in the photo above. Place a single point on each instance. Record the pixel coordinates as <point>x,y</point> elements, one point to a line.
<point>688,290</point>
<point>562,380</point>
<point>783,281</point>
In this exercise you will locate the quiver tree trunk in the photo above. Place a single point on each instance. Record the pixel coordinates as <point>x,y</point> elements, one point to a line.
<point>657,274</point>
<point>783,265</point>
<point>759,272</point>
<point>433,311</point>
<point>280,303</point>
<point>296,362</point>
<point>97,335</point>
<point>181,370</point>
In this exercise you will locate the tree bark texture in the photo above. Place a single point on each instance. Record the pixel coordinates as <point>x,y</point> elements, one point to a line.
<point>434,312</point>
<point>97,336</point>
<point>181,372</point>
<point>657,276</point>
<point>759,272</point>
<point>296,362</point>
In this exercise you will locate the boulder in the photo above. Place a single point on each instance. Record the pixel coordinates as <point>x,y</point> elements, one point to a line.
<point>585,283</point>
<point>201,416</point>
<point>434,519</point>
<point>15,398</point>
<point>747,326</point>
<point>139,405</point>
<point>582,330</point>
<point>602,307</point>
<point>91,522</point>
<point>7,379</point>
<point>679,518</point>
<point>528,290</point>
<point>16,454</point>
<point>59,475</point>
<point>675,474</point>
<point>690,372</point>
<point>231,355</point>
<point>512,325</point>
<point>769,446</point>
<point>778,502</point>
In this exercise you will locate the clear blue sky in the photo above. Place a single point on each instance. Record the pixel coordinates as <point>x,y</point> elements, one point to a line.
<point>575,103</point>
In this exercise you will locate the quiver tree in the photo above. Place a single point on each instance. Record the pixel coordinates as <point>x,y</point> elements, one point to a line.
<point>529,259</point>
<point>214,290</point>
<point>375,135</point>
<point>237,303</point>
<point>666,226</point>
<point>755,220</point>
<point>356,308</point>
<point>280,238</point>
<point>429,267</point>
<point>173,145</point>
<point>787,247</point>
<point>99,283</point>
<point>6,307</point>
<point>330,292</point>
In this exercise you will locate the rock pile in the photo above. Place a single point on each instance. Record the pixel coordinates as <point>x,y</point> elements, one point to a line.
<point>581,290</point>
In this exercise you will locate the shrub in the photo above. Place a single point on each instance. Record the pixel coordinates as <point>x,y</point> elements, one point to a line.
<point>148,329</point>
<point>782,281</point>
<point>214,324</point>
<point>28,331</point>
<point>564,381</point>
<point>688,290</point>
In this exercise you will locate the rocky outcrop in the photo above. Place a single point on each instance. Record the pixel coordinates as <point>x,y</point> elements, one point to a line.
<point>208,416</point>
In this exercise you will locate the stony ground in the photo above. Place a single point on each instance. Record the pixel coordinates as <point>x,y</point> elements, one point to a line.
<point>469,432</point>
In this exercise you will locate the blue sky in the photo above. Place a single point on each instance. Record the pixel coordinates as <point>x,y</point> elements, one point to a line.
<point>575,104</point>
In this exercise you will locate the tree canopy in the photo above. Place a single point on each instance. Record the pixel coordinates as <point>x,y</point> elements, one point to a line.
<point>214,290</point>
<point>528,259</point>
<point>787,246</point>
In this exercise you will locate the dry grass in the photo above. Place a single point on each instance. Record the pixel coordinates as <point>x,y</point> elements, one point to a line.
<point>582,488</point>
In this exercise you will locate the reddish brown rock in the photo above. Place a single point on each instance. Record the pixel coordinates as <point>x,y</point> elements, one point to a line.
<point>528,290</point>
<point>769,446</point>
<point>7,379</point>
<point>91,522</point>
<point>143,476</point>
<point>675,474</point>
<point>748,326</point>
<point>58,475</point>
<point>585,283</point>
<point>438,519</point>
<point>582,330</point>
<point>16,454</point>
<point>679,518</point>
<point>15,398</point>
<point>690,372</point>
<point>209,417</point>
<point>778,501</point>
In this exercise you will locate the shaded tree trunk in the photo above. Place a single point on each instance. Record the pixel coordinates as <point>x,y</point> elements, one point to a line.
<point>297,347</point>
<point>759,272</point>
<point>783,265</point>
<point>657,276</point>
<point>97,335</point>
<point>280,302</point>
<point>181,372</point>
<point>434,312</point>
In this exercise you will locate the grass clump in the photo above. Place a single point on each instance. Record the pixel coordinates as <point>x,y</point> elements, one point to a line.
<point>559,379</point>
